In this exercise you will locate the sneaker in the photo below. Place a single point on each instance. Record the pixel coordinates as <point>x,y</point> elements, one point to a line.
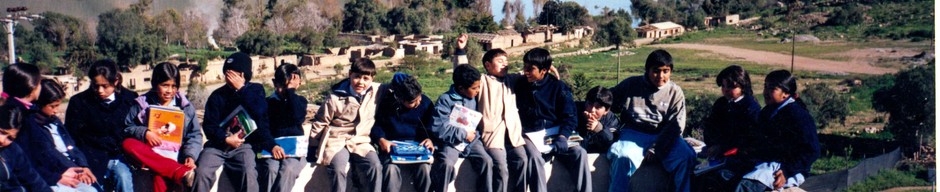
<point>189,178</point>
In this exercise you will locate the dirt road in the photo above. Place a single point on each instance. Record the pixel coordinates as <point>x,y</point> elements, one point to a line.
<point>771,58</point>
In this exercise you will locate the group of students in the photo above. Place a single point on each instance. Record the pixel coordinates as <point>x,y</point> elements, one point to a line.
<point>105,134</point>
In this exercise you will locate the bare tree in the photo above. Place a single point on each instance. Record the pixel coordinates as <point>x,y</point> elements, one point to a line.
<point>537,6</point>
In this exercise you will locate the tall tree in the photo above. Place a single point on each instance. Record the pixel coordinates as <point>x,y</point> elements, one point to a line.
<point>363,16</point>
<point>129,37</point>
<point>564,15</point>
<point>402,20</point>
<point>59,29</point>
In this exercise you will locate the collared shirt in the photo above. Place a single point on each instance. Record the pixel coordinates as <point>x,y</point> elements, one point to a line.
<point>57,139</point>
<point>110,98</point>
<point>29,105</point>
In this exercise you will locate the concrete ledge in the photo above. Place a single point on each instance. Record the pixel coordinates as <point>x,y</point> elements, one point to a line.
<point>315,178</point>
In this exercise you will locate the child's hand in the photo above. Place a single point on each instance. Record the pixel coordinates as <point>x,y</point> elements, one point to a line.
<point>90,177</point>
<point>278,152</point>
<point>462,41</point>
<point>70,177</point>
<point>385,145</point>
<point>471,136</point>
<point>233,141</point>
<point>153,139</point>
<point>428,144</point>
<point>235,79</point>
<point>780,179</point>
<point>189,162</point>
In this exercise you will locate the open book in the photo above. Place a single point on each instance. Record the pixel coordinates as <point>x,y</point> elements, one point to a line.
<point>239,123</point>
<point>294,146</point>
<point>167,122</point>
<point>548,135</point>
<point>464,118</point>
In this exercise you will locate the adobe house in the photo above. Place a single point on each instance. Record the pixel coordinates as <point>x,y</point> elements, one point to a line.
<point>433,44</point>
<point>502,39</point>
<point>660,30</point>
<point>539,34</point>
<point>732,19</point>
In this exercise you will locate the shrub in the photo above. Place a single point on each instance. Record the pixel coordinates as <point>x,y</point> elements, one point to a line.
<point>825,105</point>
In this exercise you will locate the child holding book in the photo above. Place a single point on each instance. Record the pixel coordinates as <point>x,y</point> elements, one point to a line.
<point>286,112</point>
<point>16,172</point>
<point>228,147</point>
<point>169,173</point>
<point>95,118</point>
<point>341,128</point>
<point>454,142</point>
<point>50,147</point>
<point>501,129</point>
<point>405,116</point>
<point>547,110</point>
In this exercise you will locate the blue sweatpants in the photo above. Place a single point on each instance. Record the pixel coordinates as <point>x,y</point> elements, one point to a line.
<point>627,152</point>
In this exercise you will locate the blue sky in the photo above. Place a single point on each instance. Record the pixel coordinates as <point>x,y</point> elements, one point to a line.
<point>497,6</point>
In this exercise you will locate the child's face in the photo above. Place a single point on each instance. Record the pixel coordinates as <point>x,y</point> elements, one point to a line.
<point>533,73</point>
<point>731,90</point>
<point>51,108</point>
<point>103,87</point>
<point>166,91</point>
<point>774,95</point>
<point>659,76</point>
<point>595,108</point>
<point>471,91</point>
<point>7,136</point>
<point>359,82</point>
<point>412,104</point>
<point>497,67</point>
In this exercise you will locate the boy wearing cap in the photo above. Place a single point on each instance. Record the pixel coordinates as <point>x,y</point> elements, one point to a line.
<point>221,145</point>
<point>341,128</point>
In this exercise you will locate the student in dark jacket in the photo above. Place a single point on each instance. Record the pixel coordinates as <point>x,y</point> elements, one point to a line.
<point>404,116</point>
<point>454,142</point>
<point>545,103</point>
<point>223,146</point>
<point>286,112</point>
<point>786,143</point>
<point>596,124</point>
<point>733,115</point>
<point>95,118</point>
<point>16,172</point>
<point>50,147</point>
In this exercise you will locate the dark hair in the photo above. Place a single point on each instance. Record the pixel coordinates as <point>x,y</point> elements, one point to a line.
<point>782,79</point>
<point>405,87</point>
<point>600,95</point>
<point>19,80</point>
<point>464,76</point>
<point>737,75</point>
<point>106,68</point>
<point>284,72</point>
<point>538,57</point>
<point>50,92</point>
<point>658,58</point>
<point>492,54</point>
<point>164,72</point>
<point>363,66</point>
<point>10,117</point>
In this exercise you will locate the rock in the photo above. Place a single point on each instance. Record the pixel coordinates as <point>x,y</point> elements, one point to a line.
<point>806,38</point>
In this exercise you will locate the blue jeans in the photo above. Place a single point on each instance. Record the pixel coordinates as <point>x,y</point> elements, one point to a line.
<point>627,153</point>
<point>120,174</point>
<point>82,187</point>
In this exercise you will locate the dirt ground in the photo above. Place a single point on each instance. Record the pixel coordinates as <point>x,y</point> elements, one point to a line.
<point>771,58</point>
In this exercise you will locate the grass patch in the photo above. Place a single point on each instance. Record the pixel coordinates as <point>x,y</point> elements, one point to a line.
<point>889,179</point>
<point>831,164</point>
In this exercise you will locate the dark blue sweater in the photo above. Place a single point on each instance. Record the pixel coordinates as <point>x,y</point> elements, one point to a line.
<point>729,122</point>
<point>223,101</point>
<point>394,122</point>
<point>545,104</point>
<point>17,174</point>
<point>286,113</point>
<point>98,128</point>
<point>37,141</point>
<point>789,137</point>
<point>598,142</point>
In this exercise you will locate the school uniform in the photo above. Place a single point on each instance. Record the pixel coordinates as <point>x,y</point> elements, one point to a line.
<point>16,172</point>
<point>396,123</point>
<point>340,133</point>
<point>97,126</point>
<point>51,149</point>
<point>239,162</point>
<point>136,148</point>
<point>548,104</point>
<point>447,137</point>
<point>286,113</point>
<point>786,137</point>
<point>651,118</point>
<point>600,141</point>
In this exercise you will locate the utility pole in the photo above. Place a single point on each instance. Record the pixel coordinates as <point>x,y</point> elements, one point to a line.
<point>9,21</point>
